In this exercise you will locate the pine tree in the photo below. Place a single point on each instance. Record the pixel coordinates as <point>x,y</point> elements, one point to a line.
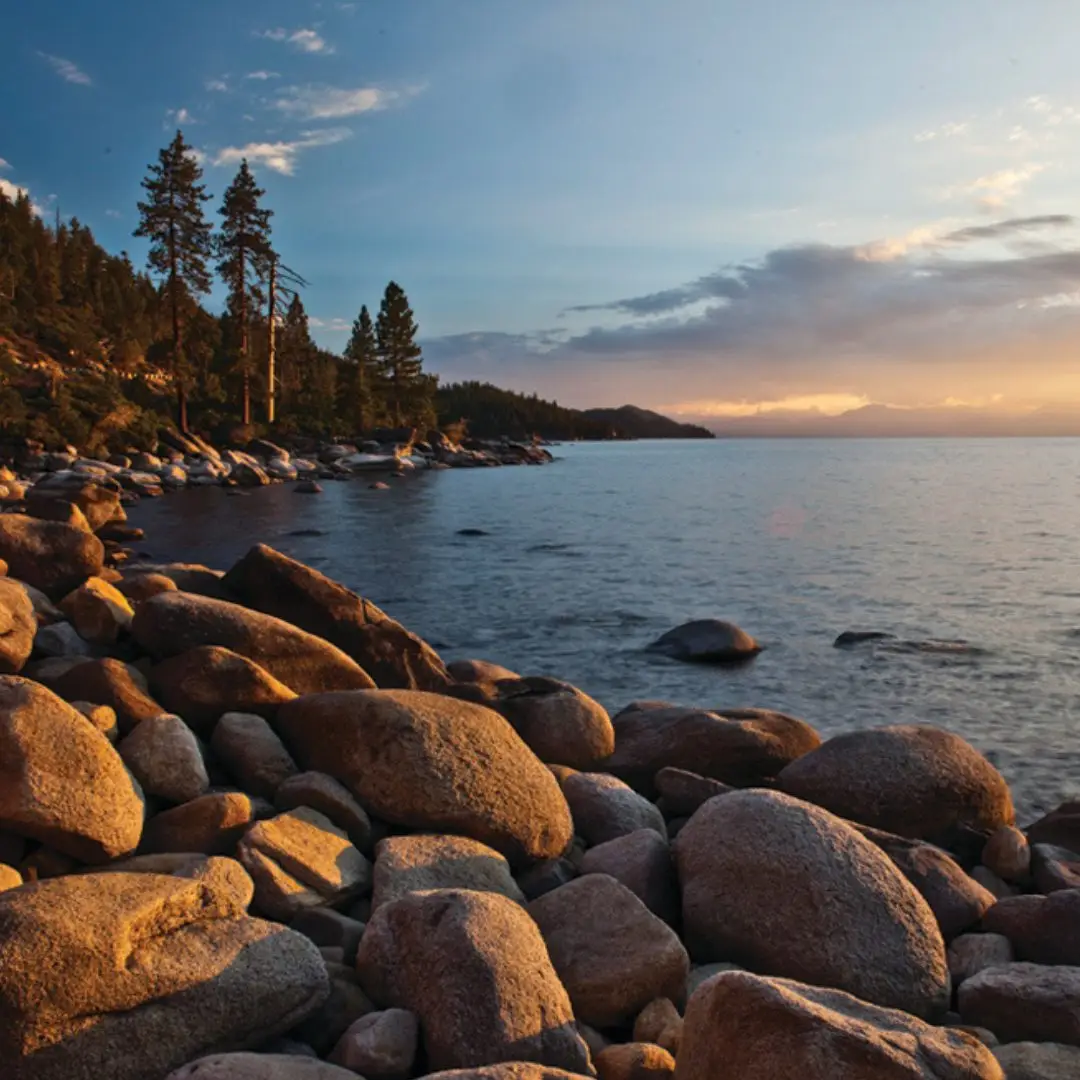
<point>172,219</point>
<point>243,247</point>
<point>360,387</point>
<point>295,351</point>
<point>409,391</point>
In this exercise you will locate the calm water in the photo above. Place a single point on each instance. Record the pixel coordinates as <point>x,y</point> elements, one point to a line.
<point>589,559</point>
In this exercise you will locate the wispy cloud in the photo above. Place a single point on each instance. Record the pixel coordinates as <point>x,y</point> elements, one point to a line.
<point>4,164</point>
<point>281,156</point>
<point>219,86</point>
<point>304,40</point>
<point>332,325</point>
<point>14,191</point>
<point>67,70</point>
<point>994,191</point>
<point>329,103</point>
<point>113,214</point>
<point>179,116</point>
<point>950,130</point>
<point>262,76</point>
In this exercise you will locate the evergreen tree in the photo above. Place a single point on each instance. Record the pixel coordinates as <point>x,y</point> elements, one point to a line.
<point>244,250</point>
<point>360,385</point>
<point>295,351</point>
<point>172,219</point>
<point>409,391</point>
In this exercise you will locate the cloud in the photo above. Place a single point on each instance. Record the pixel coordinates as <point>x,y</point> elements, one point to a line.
<point>304,40</point>
<point>179,116</point>
<point>262,76</point>
<point>14,191</point>
<point>328,103</point>
<point>281,156</point>
<point>946,131</point>
<point>994,191</point>
<point>67,70</point>
<point>1008,228</point>
<point>334,326</point>
<point>219,86</point>
<point>4,164</point>
<point>113,214</point>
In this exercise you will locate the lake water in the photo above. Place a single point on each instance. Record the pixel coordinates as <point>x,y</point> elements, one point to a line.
<point>589,559</point>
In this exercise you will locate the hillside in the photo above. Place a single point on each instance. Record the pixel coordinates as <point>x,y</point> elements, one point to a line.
<point>636,423</point>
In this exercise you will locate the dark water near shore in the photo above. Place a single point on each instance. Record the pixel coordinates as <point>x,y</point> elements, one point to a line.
<point>589,559</point>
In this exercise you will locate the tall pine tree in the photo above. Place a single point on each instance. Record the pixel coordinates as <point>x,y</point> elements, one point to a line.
<point>409,392</point>
<point>172,219</point>
<point>295,352</point>
<point>244,250</point>
<point>360,386</point>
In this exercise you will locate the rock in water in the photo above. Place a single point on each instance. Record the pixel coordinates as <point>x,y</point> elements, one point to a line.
<point>395,658</point>
<point>910,779</point>
<point>173,622</point>
<point>431,762</point>
<point>562,725</point>
<point>754,1028</point>
<point>61,780</point>
<point>706,641</point>
<point>131,975</point>
<point>51,556</point>
<point>473,968</point>
<point>17,627</point>
<point>787,889</point>
<point>610,952</point>
<point>742,747</point>
<point>204,683</point>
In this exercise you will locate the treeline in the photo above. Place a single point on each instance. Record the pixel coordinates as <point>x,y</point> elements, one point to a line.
<point>92,347</point>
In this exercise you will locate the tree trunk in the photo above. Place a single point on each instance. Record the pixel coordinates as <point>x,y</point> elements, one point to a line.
<point>245,374</point>
<point>174,300</point>
<point>271,343</point>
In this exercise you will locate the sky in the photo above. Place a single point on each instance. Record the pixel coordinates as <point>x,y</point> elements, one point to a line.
<point>708,207</point>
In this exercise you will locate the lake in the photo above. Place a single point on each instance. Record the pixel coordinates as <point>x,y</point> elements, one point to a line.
<point>587,560</point>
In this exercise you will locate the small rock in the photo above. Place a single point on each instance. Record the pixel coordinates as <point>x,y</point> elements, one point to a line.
<point>1060,827</point>
<point>325,794</point>
<point>660,1023</point>
<point>971,953</point>
<point>1025,1002</point>
<point>634,1061</point>
<point>544,876</point>
<point>249,749</point>
<point>1039,1061</point>
<point>138,587</point>
<point>479,671</point>
<point>211,824</point>
<point>10,878</point>
<point>850,638</point>
<point>163,755</point>
<point>1044,929</point>
<point>62,640</point>
<point>642,862</point>
<point>683,792</point>
<point>1054,868</point>
<point>109,682</point>
<point>346,1004</point>
<point>1008,855</point>
<point>102,717</point>
<point>308,487</point>
<point>706,641</point>
<point>992,883</point>
<point>604,808</point>
<point>380,1046</point>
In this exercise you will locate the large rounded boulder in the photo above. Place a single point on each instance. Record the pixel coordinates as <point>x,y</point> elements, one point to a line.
<point>787,889</point>
<point>753,1028</point>
<point>914,780</point>
<point>431,762</point>
<point>741,746</point>
<point>18,625</point>
<point>473,968</point>
<point>61,780</point>
<point>174,622</point>
<point>706,641</point>
<point>128,976</point>
<point>53,557</point>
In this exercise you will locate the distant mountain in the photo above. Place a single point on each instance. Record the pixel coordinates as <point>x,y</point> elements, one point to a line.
<point>629,421</point>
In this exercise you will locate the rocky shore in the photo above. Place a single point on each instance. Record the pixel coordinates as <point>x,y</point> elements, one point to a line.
<point>252,828</point>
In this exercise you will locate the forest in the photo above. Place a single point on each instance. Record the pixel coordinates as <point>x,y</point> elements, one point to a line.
<point>100,353</point>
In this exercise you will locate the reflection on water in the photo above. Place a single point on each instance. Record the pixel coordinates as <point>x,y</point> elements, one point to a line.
<point>585,561</point>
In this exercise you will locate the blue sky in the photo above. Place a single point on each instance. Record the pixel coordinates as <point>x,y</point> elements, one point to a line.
<point>751,206</point>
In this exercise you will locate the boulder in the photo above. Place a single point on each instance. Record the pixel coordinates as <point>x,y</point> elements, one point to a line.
<point>248,1066</point>
<point>325,794</point>
<point>270,582</point>
<point>544,876</point>
<point>405,864</point>
<point>109,682</point>
<point>211,824</point>
<point>681,792</point>
<point>474,970</point>
<point>298,860</point>
<point>141,586</point>
<point>1054,868</point>
<point>131,975</point>
<point>189,578</point>
<point>634,1061</point>
<point>1039,1061</point>
<point>59,510</point>
<point>61,640</point>
<point>204,683</point>
<point>1044,929</point>
<point>1008,854</point>
<point>610,952</point>
<point>330,929</point>
<point>517,1070</point>
<point>706,641</point>
<point>17,627</point>
<point>479,671</point>
<point>642,862</point>
<point>380,1046</point>
<point>1024,1003</point>
<point>957,900</point>
<point>992,883</point>
<point>50,556</point>
<point>257,759</point>
<point>560,724</point>
<point>660,1023</point>
<point>742,747</point>
<point>99,503</point>
<point>431,762</point>
<point>174,622</point>
<point>1060,827</point>
<point>61,780</point>
<point>910,779</point>
<point>757,1028</point>
<point>98,611</point>
<point>971,953</point>
<point>604,808</point>
<point>163,755</point>
<point>787,889</point>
